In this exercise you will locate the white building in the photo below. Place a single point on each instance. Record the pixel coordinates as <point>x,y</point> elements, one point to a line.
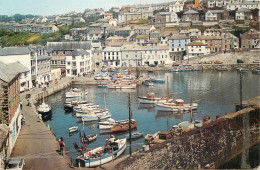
<point>213,15</point>
<point>111,56</point>
<point>244,14</point>
<point>195,49</point>
<point>246,5</point>
<point>78,62</point>
<point>157,55</point>
<point>131,55</point>
<point>21,55</point>
<point>176,6</point>
<point>94,35</point>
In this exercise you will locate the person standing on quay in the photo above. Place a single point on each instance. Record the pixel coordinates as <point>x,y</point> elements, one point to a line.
<point>62,146</point>
<point>21,105</point>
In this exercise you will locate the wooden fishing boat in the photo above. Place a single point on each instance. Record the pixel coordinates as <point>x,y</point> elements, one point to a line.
<point>151,99</point>
<point>89,138</point>
<point>111,122</point>
<point>103,154</point>
<point>123,127</point>
<point>135,135</point>
<point>176,106</point>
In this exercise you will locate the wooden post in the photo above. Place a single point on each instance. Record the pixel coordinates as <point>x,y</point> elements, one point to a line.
<point>130,117</point>
<point>241,97</point>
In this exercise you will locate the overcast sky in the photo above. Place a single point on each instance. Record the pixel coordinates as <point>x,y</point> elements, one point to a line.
<point>49,7</point>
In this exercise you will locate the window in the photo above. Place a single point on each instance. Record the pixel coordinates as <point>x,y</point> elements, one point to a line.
<point>73,57</point>
<point>126,56</point>
<point>68,63</point>
<point>74,64</point>
<point>82,57</point>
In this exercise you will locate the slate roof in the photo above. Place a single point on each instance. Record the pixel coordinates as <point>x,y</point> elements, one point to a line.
<point>14,51</point>
<point>190,12</point>
<point>196,44</point>
<point>78,52</point>
<point>60,46</point>
<point>7,72</point>
<point>18,67</point>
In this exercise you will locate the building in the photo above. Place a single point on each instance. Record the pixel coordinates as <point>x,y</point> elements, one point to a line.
<point>94,35</point>
<point>4,135</point>
<point>244,14</point>
<point>250,39</point>
<point>162,18</point>
<point>190,15</point>
<point>124,31</point>
<point>124,17</point>
<point>214,15</point>
<point>131,55</point>
<point>178,42</point>
<point>239,5</point>
<point>108,16</point>
<point>142,39</point>
<point>111,56</point>
<point>157,55</point>
<point>59,62</point>
<point>213,42</point>
<point>78,34</point>
<point>21,55</point>
<point>229,42</point>
<point>78,62</point>
<point>176,6</point>
<point>212,32</point>
<point>10,112</point>
<point>195,49</point>
<point>194,33</point>
<point>115,39</point>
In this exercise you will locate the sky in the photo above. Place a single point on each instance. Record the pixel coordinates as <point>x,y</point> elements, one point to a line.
<point>51,7</point>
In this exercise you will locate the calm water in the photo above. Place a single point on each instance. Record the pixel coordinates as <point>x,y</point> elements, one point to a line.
<point>215,92</point>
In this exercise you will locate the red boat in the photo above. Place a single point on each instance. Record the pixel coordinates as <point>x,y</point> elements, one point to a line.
<point>218,62</point>
<point>123,127</point>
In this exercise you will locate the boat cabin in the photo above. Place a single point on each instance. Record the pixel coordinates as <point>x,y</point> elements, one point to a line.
<point>165,135</point>
<point>179,102</point>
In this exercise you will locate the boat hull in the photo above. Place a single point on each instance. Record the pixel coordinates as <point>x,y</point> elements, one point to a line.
<point>186,107</point>
<point>100,161</point>
<point>152,100</point>
<point>123,127</point>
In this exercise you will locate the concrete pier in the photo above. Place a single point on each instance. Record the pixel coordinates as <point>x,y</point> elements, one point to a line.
<point>36,143</point>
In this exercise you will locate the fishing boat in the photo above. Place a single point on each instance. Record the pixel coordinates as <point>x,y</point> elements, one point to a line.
<point>80,113</point>
<point>256,71</point>
<point>222,69</point>
<point>102,85</point>
<point>151,99</point>
<point>148,83</point>
<point>135,135</point>
<point>75,93</point>
<point>89,138</point>
<point>96,116</point>
<point>73,129</point>
<point>44,109</point>
<point>176,106</point>
<point>195,69</point>
<point>123,127</point>
<point>121,85</point>
<point>70,105</point>
<point>111,122</point>
<point>103,154</point>
<point>243,70</point>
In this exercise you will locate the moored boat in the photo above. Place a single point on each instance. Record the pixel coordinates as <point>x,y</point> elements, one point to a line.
<point>151,99</point>
<point>135,135</point>
<point>256,71</point>
<point>73,129</point>
<point>176,106</point>
<point>75,93</point>
<point>123,127</point>
<point>111,122</point>
<point>103,154</point>
<point>121,85</point>
<point>96,116</point>
<point>157,80</point>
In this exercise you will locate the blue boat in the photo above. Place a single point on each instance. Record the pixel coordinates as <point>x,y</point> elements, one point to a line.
<point>102,85</point>
<point>158,80</point>
<point>256,71</point>
<point>135,135</point>
<point>195,69</point>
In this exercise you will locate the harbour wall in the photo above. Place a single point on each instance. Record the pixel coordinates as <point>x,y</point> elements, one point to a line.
<point>210,146</point>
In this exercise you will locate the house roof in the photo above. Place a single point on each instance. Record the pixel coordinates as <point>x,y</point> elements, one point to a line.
<point>190,12</point>
<point>142,36</point>
<point>78,52</point>
<point>208,37</point>
<point>107,49</point>
<point>60,46</point>
<point>18,67</point>
<point>243,10</point>
<point>95,32</point>
<point>196,44</point>
<point>216,11</point>
<point>108,14</point>
<point>178,36</point>
<point>116,38</point>
<point>14,51</point>
<point>7,72</point>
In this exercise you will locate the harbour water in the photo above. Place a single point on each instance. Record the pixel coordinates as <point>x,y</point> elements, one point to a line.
<point>215,92</point>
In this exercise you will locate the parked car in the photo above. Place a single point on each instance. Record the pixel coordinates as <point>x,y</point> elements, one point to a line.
<point>15,163</point>
<point>175,64</point>
<point>256,61</point>
<point>119,75</point>
<point>100,78</point>
<point>240,61</point>
<point>152,65</point>
<point>218,62</point>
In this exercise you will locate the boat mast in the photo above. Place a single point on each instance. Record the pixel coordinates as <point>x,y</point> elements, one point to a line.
<point>168,92</point>
<point>130,117</point>
<point>190,103</point>
<point>105,101</point>
<point>83,137</point>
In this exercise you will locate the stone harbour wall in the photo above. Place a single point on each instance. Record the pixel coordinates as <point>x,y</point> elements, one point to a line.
<point>210,146</point>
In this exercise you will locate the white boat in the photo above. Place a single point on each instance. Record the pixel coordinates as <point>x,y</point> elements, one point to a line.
<point>96,116</point>
<point>111,122</point>
<point>176,106</point>
<point>86,107</point>
<point>70,105</point>
<point>103,154</point>
<point>75,93</point>
<point>44,109</point>
<point>151,99</point>
<point>121,85</point>
<point>73,129</point>
<point>80,113</point>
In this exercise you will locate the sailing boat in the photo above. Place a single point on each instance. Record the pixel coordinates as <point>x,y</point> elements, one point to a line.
<point>151,99</point>
<point>44,109</point>
<point>177,105</point>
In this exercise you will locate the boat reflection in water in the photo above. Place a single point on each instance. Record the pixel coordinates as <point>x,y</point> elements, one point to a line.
<point>176,115</point>
<point>108,132</point>
<point>148,107</point>
<point>47,117</point>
